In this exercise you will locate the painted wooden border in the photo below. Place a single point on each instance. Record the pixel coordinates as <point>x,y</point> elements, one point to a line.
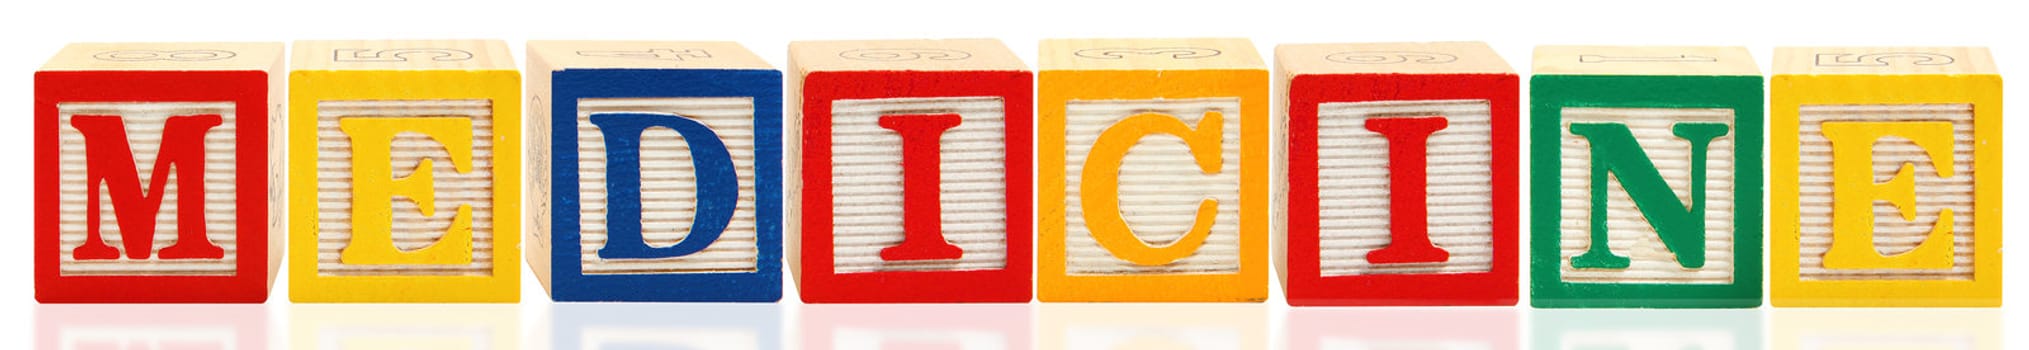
<point>250,91</point>
<point>1306,286</point>
<point>502,87</point>
<point>569,283</point>
<point>1056,90</point>
<point>1791,92</point>
<point>1550,94</point>
<point>819,283</point>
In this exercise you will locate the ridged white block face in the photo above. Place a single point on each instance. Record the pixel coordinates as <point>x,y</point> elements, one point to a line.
<point>1629,234</point>
<point>1354,194</point>
<point>1161,185</point>
<point>1892,234</point>
<point>412,230</point>
<point>145,122</point>
<point>668,186</point>
<point>867,200</point>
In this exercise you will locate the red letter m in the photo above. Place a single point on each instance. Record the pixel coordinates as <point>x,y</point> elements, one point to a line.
<point>109,163</point>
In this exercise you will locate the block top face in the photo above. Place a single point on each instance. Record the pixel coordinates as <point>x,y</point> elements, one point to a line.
<point>1887,60</point>
<point>402,55</point>
<point>166,57</point>
<point>645,54</point>
<point>904,55</point>
<point>1149,54</point>
<point>1391,58</point>
<point>1645,60</point>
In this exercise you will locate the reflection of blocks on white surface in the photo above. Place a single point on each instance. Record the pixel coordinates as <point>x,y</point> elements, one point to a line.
<point>867,183</point>
<point>1122,337</point>
<point>1737,329</point>
<point>1160,186</point>
<point>417,326</point>
<point>144,123</point>
<point>405,337</point>
<point>1359,329</point>
<point>412,230</point>
<point>147,327</point>
<point>1892,234</point>
<point>1649,340</point>
<point>669,186</point>
<point>1914,328</point>
<point>1354,196</point>
<point>624,326</point>
<point>853,338</point>
<point>1146,326</point>
<point>619,338</point>
<point>1864,341</point>
<point>1629,234</point>
<point>921,326</point>
<point>151,337</point>
<point>1334,343</point>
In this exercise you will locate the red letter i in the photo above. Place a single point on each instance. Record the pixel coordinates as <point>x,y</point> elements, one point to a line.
<point>1408,216</point>
<point>922,212</point>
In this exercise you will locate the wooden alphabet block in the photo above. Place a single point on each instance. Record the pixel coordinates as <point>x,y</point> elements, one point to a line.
<point>1154,165</point>
<point>114,123</point>
<point>1647,177</point>
<point>912,178</point>
<point>656,171</point>
<point>1886,177</point>
<point>1401,174</point>
<point>406,172</point>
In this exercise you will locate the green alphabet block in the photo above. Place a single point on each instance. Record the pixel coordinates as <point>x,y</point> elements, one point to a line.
<point>1646,177</point>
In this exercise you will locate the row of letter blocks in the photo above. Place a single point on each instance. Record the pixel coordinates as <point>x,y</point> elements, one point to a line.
<point>401,184</point>
<point>1382,174</point>
<point>1646,182</point>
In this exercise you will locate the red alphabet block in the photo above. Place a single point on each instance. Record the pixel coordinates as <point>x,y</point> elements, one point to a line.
<point>1401,174</point>
<point>911,183</point>
<point>114,125</point>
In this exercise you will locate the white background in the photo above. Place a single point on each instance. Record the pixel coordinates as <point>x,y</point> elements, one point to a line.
<point>35,29</point>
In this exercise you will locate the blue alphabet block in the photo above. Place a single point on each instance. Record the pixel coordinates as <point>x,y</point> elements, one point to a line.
<point>656,172</point>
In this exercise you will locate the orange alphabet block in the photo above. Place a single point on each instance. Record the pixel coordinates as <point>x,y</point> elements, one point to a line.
<point>1154,171</point>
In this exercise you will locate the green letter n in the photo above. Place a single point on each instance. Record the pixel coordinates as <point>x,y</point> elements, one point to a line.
<point>1614,150</point>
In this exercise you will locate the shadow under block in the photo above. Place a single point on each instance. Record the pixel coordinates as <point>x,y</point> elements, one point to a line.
<point>1647,177</point>
<point>1401,163</point>
<point>912,177</point>
<point>114,122</point>
<point>655,171</point>
<point>406,159</point>
<point>1154,165</point>
<point>1886,173</point>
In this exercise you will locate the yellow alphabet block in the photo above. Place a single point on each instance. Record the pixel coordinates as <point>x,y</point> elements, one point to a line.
<point>1154,171</point>
<point>1886,177</point>
<point>404,161</point>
